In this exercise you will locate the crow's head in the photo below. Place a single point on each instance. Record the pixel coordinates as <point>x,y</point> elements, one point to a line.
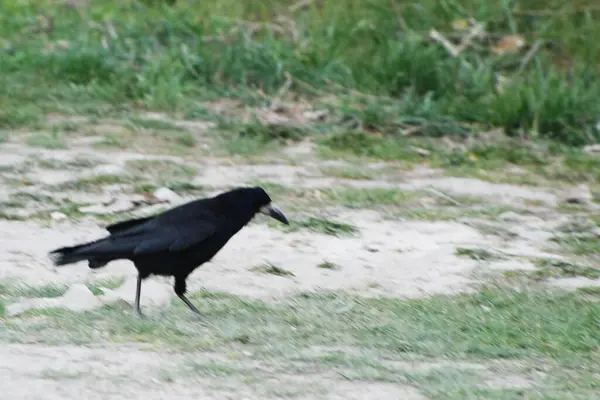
<point>260,202</point>
<point>267,207</point>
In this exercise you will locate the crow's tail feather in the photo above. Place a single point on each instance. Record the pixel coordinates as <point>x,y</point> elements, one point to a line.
<point>98,253</point>
<point>73,254</point>
<point>69,255</point>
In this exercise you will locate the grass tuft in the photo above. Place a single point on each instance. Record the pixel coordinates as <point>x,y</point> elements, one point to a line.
<point>272,269</point>
<point>328,265</point>
<point>321,225</point>
<point>477,254</point>
<point>52,140</point>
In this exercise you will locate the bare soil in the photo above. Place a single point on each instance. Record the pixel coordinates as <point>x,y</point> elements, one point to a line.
<point>388,256</point>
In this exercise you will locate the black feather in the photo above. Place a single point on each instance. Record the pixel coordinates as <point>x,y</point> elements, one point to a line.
<point>119,226</point>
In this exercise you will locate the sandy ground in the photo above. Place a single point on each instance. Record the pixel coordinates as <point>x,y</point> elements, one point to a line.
<point>397,258</point>
<point>34,372</point>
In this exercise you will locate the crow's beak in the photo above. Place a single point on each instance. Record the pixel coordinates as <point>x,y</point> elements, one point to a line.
<point>274,212</point>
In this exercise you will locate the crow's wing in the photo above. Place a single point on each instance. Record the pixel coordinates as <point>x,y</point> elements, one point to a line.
<point>124,225</point>
<point>174,236</point>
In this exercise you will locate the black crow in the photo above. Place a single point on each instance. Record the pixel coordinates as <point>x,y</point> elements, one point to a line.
<point>177,241</point>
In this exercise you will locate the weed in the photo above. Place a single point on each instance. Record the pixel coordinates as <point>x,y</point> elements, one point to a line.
<point>212,369</point>
<point>186,140</point>
<point>328,265</point>
<point>348,173</point>
<point>592,290</point>
<point>16,116</point>
<point>270,132</point>
<point>556,268</point>
<point>96,286</point>
<point>366,198</point>
<point>362,144</point>
<point>553,269</point>
<point>451,213</point>
<point>161,169</point>
<point>11,217</point>
<point>52,140</point>
<point>253,138</point>
<point>59,375</point>
<point>48,291</point>
<point>271,269</point>
<point>92,183</point>
<point>112,141</point>
<point>579,245</point>
<point>165,375</point>
<point>476,254</point>
<point>153,124</point>
<point>576,225</point>
<point>323,226</point>
<point>66,126</point>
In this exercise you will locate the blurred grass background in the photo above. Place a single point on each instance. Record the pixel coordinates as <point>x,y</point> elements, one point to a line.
<point>534,72</point>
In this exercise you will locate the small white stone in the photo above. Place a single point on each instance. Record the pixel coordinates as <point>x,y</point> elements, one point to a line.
<point>58,216</point>
<point>154,293</point>
<point>108,169</point>
<point>79,298</point>
<point>166,194</point>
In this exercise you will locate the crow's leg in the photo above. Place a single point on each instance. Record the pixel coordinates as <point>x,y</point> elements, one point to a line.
<point>137,296</point>
<point>180,289</point>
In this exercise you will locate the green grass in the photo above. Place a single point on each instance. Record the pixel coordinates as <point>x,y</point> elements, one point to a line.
<point>349,173</point>
<point>151,174</point>
<point>138,123</point>
<point>271,269</point>
<point>547,269</point>
<point>245,139</point>
<point>359,338</point>
<point>93,183</point>
<point>319,225</point>
<point>58,165</point>
<point>49,290</point>
<point>541,162</point>
<point>11,216</point>
<point>477,254</point>
<point>370,64</point>
<point>558,269</point>
<point>176,185</point>
<point>362,144</point>
<point>592,290</point>
<point>328,265</point>
<point>495,323</point>
<point>368,198</point>
<point>450,213</point>
<point>60,375</point>
<point>579,245</point>
<point>55,290</point>
<point>52,140</point>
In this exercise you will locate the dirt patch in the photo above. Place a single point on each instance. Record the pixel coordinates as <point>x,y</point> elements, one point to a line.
<point>386,257</point>
<point>391,258</point>
<point>383,256</point>
<point>125,372</point>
